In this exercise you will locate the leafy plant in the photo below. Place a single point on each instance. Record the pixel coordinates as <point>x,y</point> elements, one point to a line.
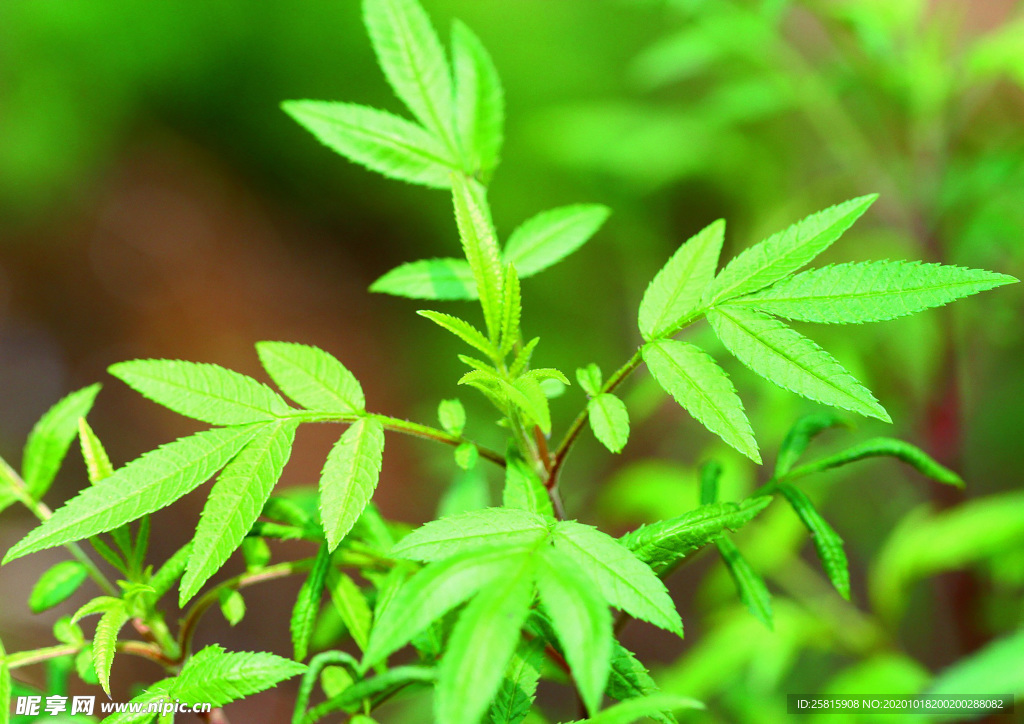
<point>493,598</point>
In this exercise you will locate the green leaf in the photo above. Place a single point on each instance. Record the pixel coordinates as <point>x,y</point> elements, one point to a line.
<point>997,670</point>
<point>468,490</point>
<point>634,710</point>
<point>452,416</point>
<point>218,677</point>
<point>482,644</point>
<point>202,391</point>
<point>630,680</point>
<point>533,402</point>
<point>665,543</point>
<point>379,687</point>
<point>710,474</point>
<point>623,579</point>
<point>581,620</point>
<point>480,248</point>
<point>703,389</point>
<point>871,291</point>
<point>100,604</point>
<point>883,447</point>
<point>104,641</point>
<point>479,101</point>
<point>312,377</point>
<point>522,358</point>
<point>429,594</point>
<point>349,477</point>
<point>235,503</point>
<point>154,695</point>
<point>550,236</point>
<point>517,690</point>
<point>377,140</point>
<point>511,310</point>
<point>232,606</point>
<point>429,279</point>
<point>674,295</point>
<point>413,61</point>
<point>351,605</point>
<point>51,437</point>
<point>97,462</point>
<point>589,378</point>
<point>144,485</point>
<point>466,456</point>
<point>826,541</point>
<point>609,420</point>
<point>783,253</point>
<point>5,686</point>
<point>799,437</point>
<point>751,587</point>
<point>471,531</point>
<point>524,488</point>
<point>307,603</point>
<point>57,585</point>
<point>164,578</point>
<point>461,329</point>
<point>785,357</point>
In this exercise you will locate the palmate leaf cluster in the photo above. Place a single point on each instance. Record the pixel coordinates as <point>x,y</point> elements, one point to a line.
<point>492,599</point>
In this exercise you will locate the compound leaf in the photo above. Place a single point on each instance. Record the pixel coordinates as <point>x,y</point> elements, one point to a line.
<point>479,102</point>
<point>307,603</point>
<point>675,293</point>
<point>826,541</point>
<point>312,377</point>
<point>871,291</point>
<point>550,236</point>
<point>202,391</point>
<point>218,677</point>
<point>146,484</point>
<point>517,690</point>
<point>56,585</point>
<point>703,389</point>
<point>751,587</point>
<point>429,279</point>
<point>349,477</point>
<point>377,140</point>
<point>480,248</point>
<point>469,531</point>
<point>785,357</point>
<point>51,437</point>
<point>609,419</point>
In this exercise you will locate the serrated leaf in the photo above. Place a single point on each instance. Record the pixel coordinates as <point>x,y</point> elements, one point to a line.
<point>51,437</point>
<point>624,581</point>
<point>511,310</point>
<point>307,603</point>
<point>515,695</point>
<point>479,101</point>
<point>581,620</point>
<point>629,679</point>
<point>871,291</point>
<point>97,462</point>
<point>471,531</point>
<point>351,605</point>
<point>675,293</point>
<point>429,279</point>
<point>154,695</point>
<point>826,541</point>
<point>164,578</point>
<point>218,677</point>
<point>883,447</point>
<point>104,641</point>
<point>785,357</point>
<point>532,401</point>
<point>377,140</point>
<point>413,61</point>
<point>429,594</point>
<point>783,253</point>
<point>144,485</point>
<point>235,502</point>
<point>100,604</point>
<point>524,488</point>
<point>202,391</point>
<point>480,248</point>
<point>232,606</point>
<point>461,329</point>
<point>589,378</point>
<point>312,377</point>
<point>349,477</point>
<point>550,236</point>
<point>663,544</point>
<point>609,419</point>
<point>56,585</point>
<point>703,389</point>
<point>799,437</point>
<point>751,587</point>
<point>482,644</point>
<point>452,416</point>
<point>634,710</point>
<point>522,358</point>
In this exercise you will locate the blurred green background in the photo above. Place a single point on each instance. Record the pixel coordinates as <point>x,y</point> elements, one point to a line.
<point>155,202</point>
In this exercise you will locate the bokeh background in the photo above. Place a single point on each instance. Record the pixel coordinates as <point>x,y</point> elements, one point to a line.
<point>155,202</point>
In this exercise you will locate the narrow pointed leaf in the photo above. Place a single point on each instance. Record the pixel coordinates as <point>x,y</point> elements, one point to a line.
<point>550,236</point>
<point>349,477</point>
<point>580,618</point>
<point>710,475</point>
<point>522,358</point>
<point>785,252</point>
<point>51,437</point>
<point>312,377</point>
<point>675,293</point>
<point>461,329</point>
<point>351,605</point>
<point>871,291</point>
<point>512,310</point>
<point>536,402</point>
<point>623,579</point>
<point>429,279</point>
<point>751,587</point>
<point>703,389</point>
<point>482,644</point>
<point>826,541</point>
<point>524,488</point>
<point>413,61</point>
<point>376,688</point>
<point>307,603</point>
<point>630,680</point>
<point>104,641</point>
<point>235,502</point>
<point>480,248</point>
<point>218,677</point>
<point>469,531</point>
<point>377,140</point>
<point>518,689</point>
<point>479,101</point>
<point>56,585</point>
<point>609,419</point>
<point>799,437</point>
<point>785,357</point>
<point>97,462</point>
<point>883,447</point>
<point>202,391</point>
<point>144,485</point>
<point>635,710</point>
<point>665,543</point>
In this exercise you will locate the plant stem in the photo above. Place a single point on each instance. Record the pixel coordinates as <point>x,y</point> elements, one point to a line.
<point>432,433</point>
<point>37,656</point>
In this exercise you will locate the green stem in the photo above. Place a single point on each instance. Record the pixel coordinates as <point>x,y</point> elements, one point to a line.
<point>37,656</point>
